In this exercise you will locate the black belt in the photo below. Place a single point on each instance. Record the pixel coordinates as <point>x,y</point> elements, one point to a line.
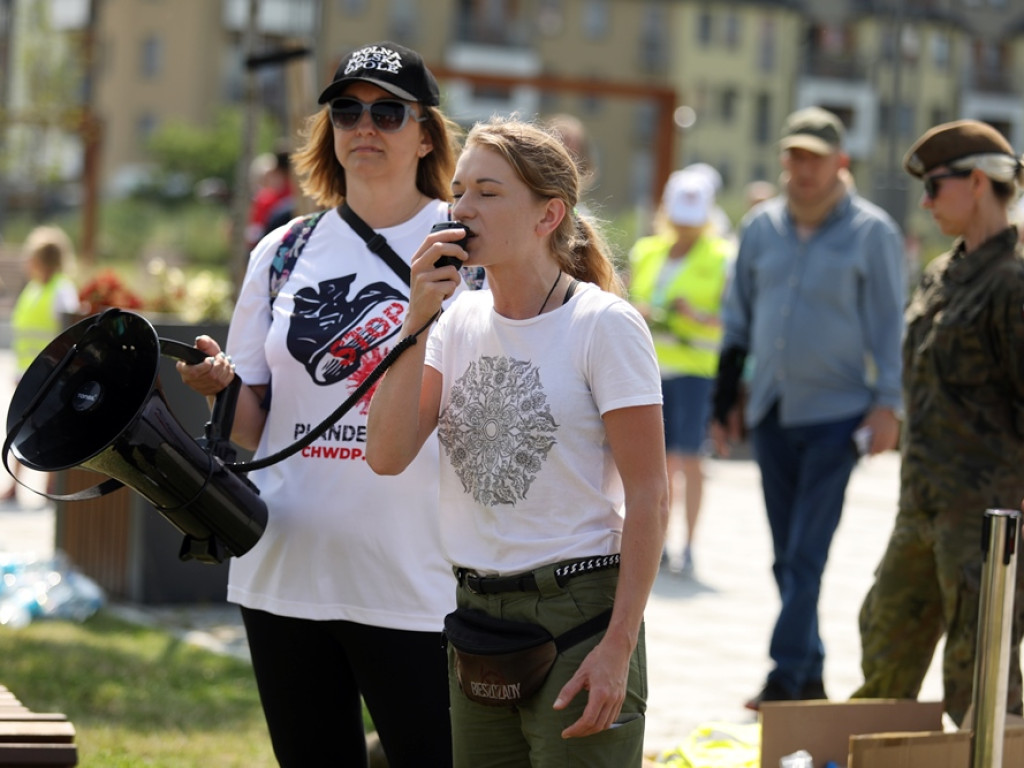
<point>527,582</point>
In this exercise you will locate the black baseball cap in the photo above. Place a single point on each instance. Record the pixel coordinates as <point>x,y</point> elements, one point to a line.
<point>398,70</point>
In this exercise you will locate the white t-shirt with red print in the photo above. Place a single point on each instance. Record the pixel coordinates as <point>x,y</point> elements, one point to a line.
<point>342,542</point>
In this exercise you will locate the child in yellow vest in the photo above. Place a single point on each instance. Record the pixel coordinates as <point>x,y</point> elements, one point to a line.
<point>49,294</point>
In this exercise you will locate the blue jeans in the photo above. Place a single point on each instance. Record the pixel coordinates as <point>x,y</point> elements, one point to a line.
<point>804,473</point>
<point>687,410</point>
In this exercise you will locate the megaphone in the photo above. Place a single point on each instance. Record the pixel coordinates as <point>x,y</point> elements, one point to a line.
<point>92,399</point>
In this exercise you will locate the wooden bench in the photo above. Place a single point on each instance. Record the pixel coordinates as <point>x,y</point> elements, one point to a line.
<point>30,738</point>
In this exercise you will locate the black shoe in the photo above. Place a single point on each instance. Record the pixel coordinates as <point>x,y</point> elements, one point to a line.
<point>813,690</point>
<point>772,691</point>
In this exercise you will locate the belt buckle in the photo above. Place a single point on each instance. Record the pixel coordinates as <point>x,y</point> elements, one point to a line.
<point>468,580</point>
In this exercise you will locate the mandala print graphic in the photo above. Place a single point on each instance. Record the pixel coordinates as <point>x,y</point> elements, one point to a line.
<point>497,429</point>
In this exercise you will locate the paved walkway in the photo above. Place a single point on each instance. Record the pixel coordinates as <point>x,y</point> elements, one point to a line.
<point>707,636</point>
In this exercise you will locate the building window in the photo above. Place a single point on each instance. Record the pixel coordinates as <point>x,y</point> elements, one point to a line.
<point>766,45</point>
<point>764,132</point>
<point>940,50</point>
<point>645,117</point>
<point>704,25</point>
<point>353,7</point>
<point>727,105</point>
<point>906,118</point>
<point>403,21</point>
<point>491,22</point>
<point>551,17</point>
<point>145,127</point>
<point>595,19</point>
<point>732,30</point>
<point>152,55</point>
<point>654,39</point>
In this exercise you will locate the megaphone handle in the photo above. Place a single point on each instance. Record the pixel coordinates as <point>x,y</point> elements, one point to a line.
<point>181,351</point>
<point>218,429</point>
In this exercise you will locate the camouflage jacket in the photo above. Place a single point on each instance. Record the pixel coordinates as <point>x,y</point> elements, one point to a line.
<point>963,381</point>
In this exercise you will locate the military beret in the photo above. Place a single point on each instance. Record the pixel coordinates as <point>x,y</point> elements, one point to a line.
<point>945,144</point>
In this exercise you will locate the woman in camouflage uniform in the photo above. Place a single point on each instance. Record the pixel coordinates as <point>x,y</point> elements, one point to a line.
<point>963,436</point>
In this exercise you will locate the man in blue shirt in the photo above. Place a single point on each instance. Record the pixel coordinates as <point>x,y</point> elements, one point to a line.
<point>816,303</point>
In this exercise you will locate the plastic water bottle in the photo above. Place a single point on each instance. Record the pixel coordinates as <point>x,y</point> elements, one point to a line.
<point>800,759</point>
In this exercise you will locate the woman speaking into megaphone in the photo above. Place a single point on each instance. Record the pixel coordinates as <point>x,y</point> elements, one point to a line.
<point>344,596</point>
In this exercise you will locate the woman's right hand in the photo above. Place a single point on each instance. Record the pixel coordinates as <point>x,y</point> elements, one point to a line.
<point>432,286</point>
<point>211,375</point>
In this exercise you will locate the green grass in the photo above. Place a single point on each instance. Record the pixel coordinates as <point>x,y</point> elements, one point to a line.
<point>138,696</point>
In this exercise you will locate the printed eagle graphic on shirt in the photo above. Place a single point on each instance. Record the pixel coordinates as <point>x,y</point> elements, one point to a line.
<point>333,335</point>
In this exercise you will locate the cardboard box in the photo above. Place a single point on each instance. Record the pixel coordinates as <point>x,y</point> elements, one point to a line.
<point>927,750</point>
<point>874,733</point>
<point>824,728</point>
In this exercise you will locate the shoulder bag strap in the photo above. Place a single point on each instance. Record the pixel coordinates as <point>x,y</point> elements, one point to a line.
<point>579,633</point>
<point>288,251</point>
<point>375,242</point>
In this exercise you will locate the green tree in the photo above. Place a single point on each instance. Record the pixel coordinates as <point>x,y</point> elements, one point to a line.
<point>41,113</point>
<point>200,152</point>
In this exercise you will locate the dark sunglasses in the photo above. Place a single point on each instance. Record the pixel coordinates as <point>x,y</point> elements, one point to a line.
<point>932,183</point>
<point>388,115</point>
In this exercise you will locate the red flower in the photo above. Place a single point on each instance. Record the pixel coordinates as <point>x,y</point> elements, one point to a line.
<point>107,290</point>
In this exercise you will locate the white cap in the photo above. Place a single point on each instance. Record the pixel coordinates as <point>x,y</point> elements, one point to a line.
<point>688,198</point>
<point>709,172</point>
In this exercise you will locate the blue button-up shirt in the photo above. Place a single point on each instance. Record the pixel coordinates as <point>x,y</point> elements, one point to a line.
<point>822,318</point>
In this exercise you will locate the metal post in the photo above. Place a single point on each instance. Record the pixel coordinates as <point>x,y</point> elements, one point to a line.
<point>242,192</point>
<point>1000,534</point>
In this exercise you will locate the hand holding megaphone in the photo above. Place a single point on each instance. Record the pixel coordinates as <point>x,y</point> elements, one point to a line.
<point>212,373</point>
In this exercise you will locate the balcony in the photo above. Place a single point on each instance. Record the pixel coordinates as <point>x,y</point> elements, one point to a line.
<point>856,102</point>
<point>990,80</point>
<point>282,18</point>
<point>834,66</point>
<point>474,98</point>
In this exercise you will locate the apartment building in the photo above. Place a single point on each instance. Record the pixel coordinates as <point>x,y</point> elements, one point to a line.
<point>659,83</point>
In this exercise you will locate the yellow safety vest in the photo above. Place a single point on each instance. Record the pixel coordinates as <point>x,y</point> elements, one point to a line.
<point>684,346</point>
<point>34,320</point>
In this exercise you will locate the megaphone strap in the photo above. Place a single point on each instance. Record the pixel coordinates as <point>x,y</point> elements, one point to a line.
<point>218,430</point>
<point>310,437</point>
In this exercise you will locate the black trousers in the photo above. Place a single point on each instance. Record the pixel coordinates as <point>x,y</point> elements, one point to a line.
<point>311,676</point>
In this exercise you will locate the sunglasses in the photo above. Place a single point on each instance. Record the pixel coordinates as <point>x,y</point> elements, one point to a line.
<point>388,115</point>
<point>932,183</point>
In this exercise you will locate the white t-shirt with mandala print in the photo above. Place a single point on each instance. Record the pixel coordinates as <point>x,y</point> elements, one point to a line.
<point>527,477</point>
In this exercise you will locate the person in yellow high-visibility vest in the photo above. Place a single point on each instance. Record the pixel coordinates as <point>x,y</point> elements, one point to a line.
<point>49,293</point>
<point>677,281</point>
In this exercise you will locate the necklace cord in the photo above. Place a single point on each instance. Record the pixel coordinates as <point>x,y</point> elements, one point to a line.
<point>548,297</point>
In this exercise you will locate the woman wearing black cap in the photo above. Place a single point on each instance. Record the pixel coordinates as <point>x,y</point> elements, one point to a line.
<point>344,595</point>
<point>963,435</point>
